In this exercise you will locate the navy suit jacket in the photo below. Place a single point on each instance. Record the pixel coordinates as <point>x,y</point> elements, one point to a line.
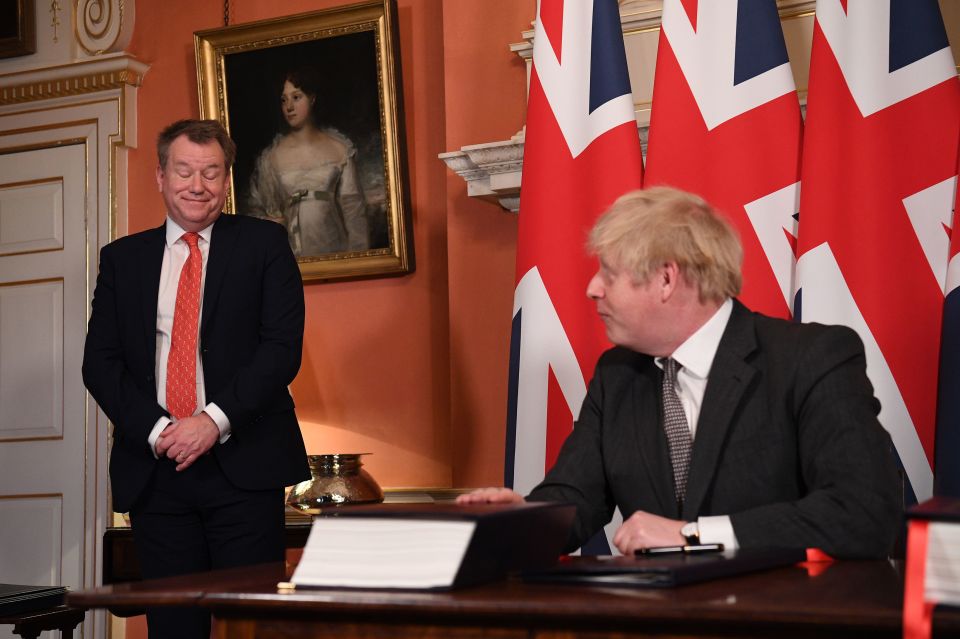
<point>251,339</point>
<point>788,443</point>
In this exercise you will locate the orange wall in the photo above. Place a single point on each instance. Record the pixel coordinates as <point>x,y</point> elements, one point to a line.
<point>485,89</point>
<point>412,369</point>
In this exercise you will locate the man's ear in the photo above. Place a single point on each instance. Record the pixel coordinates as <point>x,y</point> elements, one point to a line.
<point>668,276</point>
<point>159,178</point>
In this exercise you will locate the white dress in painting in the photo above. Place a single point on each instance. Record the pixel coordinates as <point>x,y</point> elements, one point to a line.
<point>315,193</point>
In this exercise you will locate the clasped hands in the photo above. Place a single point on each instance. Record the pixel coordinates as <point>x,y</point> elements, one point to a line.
<point>185,440</point>
<point>640,530</point>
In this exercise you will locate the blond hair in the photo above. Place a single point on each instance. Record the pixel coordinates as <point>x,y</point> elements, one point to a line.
<point>645,229</point>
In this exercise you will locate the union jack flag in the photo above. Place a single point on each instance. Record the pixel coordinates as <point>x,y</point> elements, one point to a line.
<point>947,476</point>
<point>725,124</point>
<point>581,152</point>
<point>879,174</point>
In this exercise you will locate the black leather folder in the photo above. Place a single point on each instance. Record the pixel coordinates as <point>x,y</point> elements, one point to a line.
<point>16,600</point>
<point>411,546</point>
<point>664,571</point>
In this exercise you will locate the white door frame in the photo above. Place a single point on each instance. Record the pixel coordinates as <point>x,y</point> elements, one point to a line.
<point>101,117</point>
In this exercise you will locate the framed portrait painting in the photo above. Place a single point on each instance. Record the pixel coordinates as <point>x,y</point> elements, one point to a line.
<point>18,34</point>
<point>313,103</point>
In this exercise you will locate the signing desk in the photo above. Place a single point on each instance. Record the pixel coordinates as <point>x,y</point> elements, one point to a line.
<point>843,599</point>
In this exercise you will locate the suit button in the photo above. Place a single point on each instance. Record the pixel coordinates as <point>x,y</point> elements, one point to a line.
<point>149,378</point>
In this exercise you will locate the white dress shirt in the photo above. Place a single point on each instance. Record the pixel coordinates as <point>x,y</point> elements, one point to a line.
<point>175,254</point>
<point>695,356</point>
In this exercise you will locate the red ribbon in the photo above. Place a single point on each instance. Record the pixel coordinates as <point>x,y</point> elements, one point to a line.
<point>917,612</point>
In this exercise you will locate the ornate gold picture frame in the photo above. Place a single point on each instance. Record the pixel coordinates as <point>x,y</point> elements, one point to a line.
<point>313,102</point>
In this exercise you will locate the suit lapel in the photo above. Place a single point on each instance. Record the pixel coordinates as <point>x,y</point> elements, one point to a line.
<point>151,261</point>
<point>730,376</point>
<point>223,242</point>
<point>652,440</point>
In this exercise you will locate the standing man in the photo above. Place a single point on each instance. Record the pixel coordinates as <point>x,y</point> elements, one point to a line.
<point>708,422</point>
<point>195,332</point>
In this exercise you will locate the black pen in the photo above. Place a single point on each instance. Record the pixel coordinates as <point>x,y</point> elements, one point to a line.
<point>691,549</point>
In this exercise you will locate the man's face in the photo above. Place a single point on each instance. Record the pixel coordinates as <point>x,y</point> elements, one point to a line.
<point>631,312</point>
<point>193,183</point>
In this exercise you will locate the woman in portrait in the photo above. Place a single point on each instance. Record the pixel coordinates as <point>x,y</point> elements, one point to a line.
<point>307,179</point>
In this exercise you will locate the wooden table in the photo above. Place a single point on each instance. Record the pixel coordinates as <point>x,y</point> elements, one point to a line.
<point>29,625</point>
<point>825,600</point>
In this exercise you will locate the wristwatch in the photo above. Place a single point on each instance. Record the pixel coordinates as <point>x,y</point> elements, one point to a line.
<point>691,533</point>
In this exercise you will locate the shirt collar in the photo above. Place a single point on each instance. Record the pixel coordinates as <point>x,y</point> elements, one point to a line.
<point>174,232</point>
<point>697,352</point>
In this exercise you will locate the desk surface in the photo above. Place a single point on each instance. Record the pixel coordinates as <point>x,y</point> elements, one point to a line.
<point>837,599</point>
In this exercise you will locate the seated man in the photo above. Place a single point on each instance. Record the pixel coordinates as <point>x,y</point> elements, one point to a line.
<point>710,422</point>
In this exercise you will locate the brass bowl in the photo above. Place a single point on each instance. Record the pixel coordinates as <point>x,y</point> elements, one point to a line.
<point>335,480</point>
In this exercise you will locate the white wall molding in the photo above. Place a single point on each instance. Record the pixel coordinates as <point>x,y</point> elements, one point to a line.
<point>92,75</point>
<point>103,26</point>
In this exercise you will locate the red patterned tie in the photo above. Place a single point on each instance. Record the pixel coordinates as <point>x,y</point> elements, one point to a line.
<point>182,360</point>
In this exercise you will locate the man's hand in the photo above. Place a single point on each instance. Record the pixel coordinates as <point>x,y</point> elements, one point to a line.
<point>644,530</point>
<point>491,496</point>
<point>185,440</point>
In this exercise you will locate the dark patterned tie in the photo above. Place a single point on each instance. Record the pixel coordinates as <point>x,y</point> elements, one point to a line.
<point>678,432</point>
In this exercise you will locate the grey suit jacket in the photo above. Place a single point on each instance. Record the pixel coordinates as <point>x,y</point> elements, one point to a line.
<point>787,444</point>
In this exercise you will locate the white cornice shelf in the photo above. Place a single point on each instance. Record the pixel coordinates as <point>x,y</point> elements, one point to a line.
<point>491,170</point>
